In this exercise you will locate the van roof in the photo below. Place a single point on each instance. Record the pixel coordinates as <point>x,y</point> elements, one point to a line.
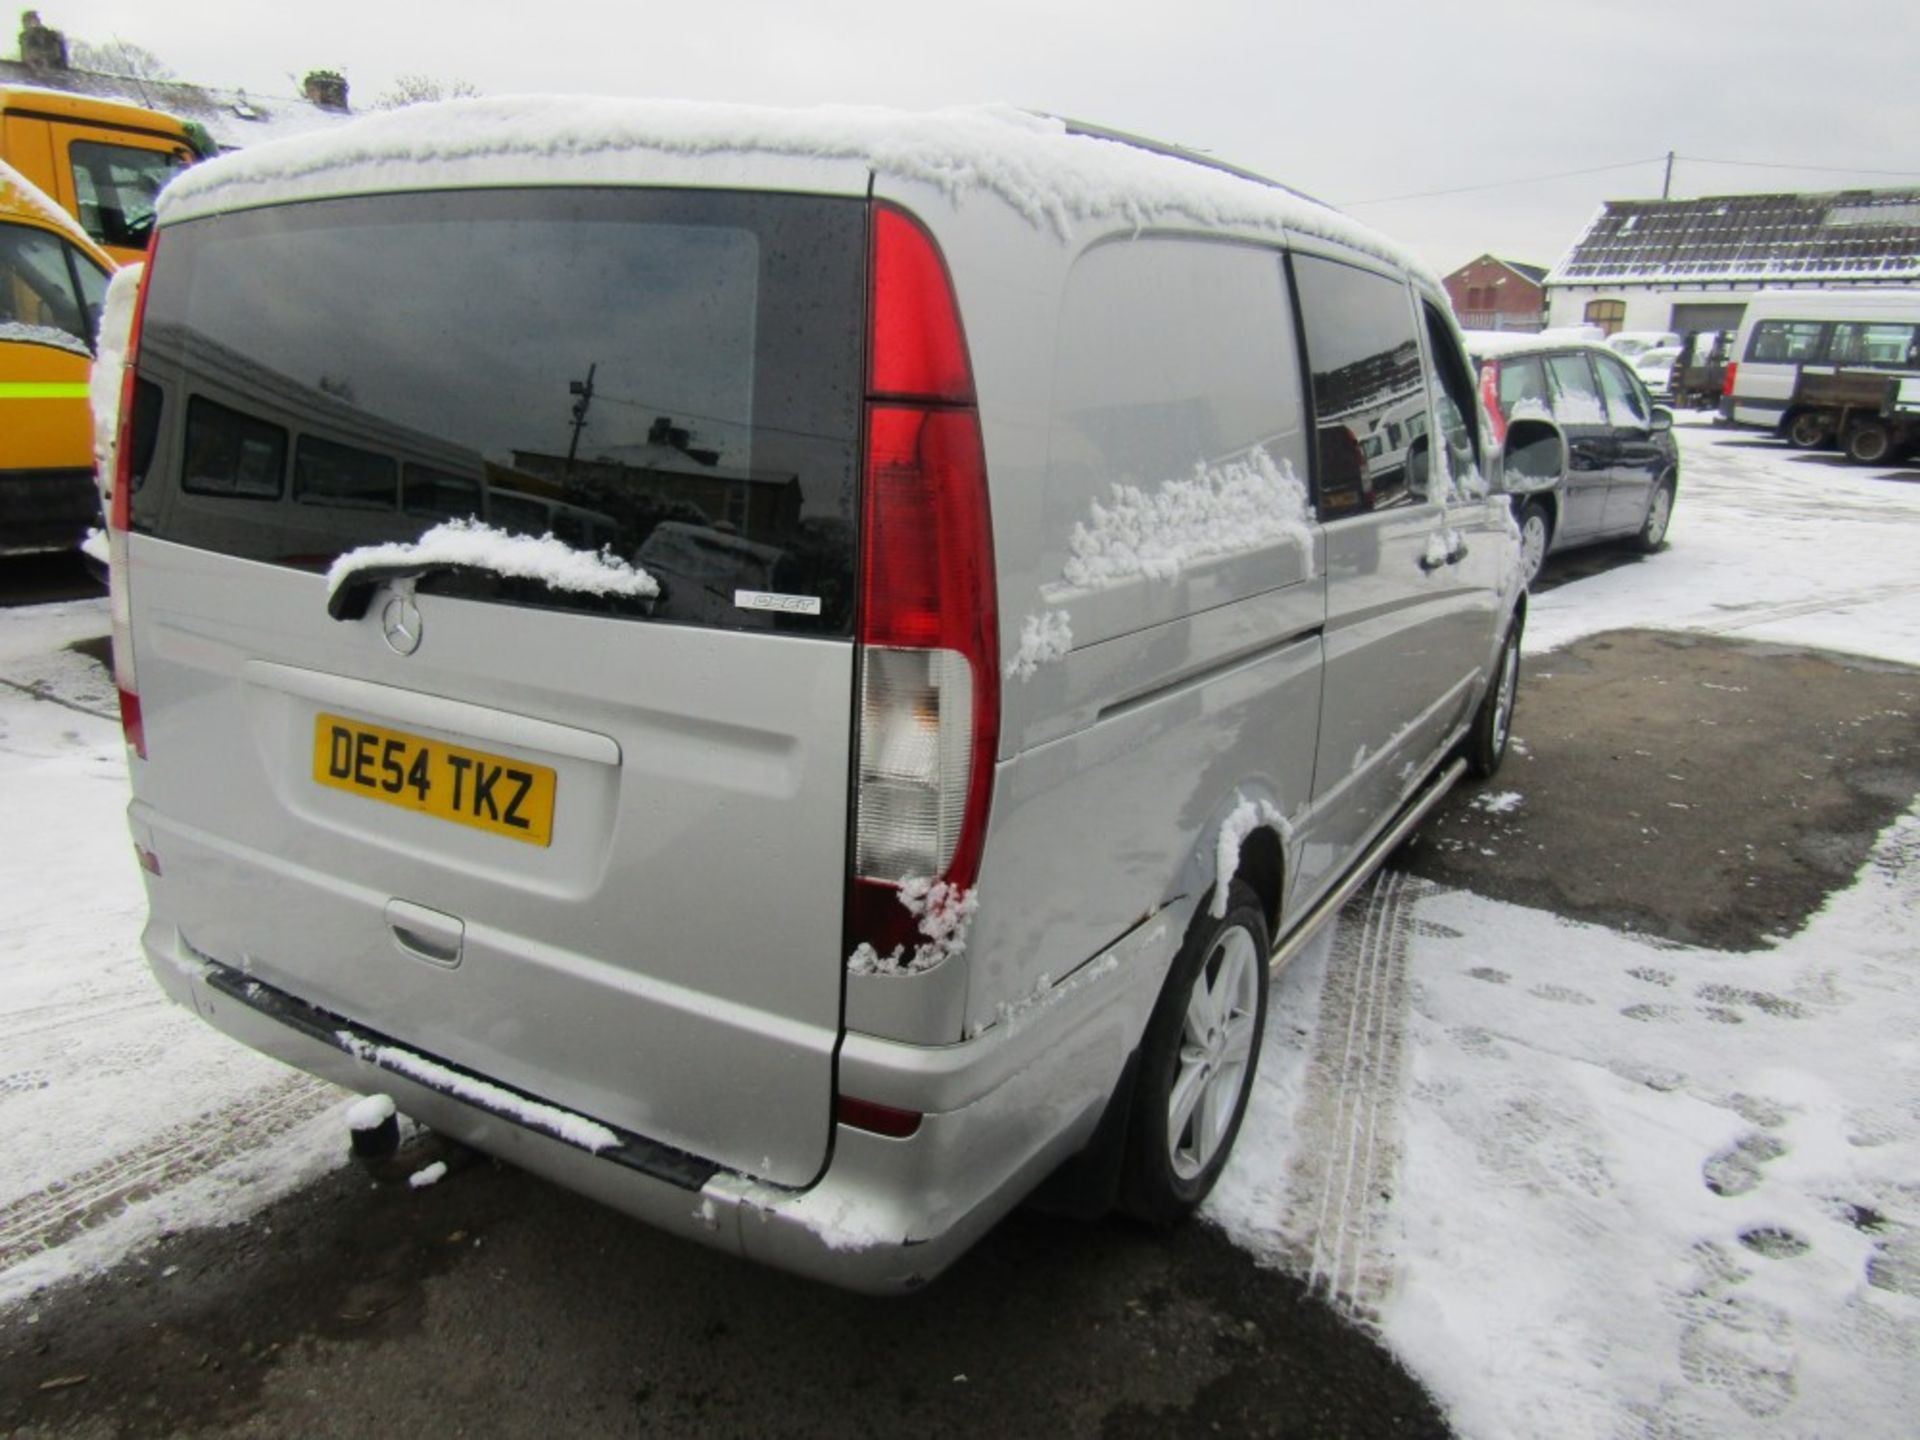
<point>1052,172</point>
<point>66,105</point>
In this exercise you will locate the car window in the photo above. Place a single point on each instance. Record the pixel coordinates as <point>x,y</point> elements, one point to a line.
<point>1626,402</point>
<point>36,288</point>
<point>1576,400</point>
<point>117,185</point>
<point>1523,386</point>
<point>1859,342</point>
<point>1367,381</point>
<point>1786,341</point>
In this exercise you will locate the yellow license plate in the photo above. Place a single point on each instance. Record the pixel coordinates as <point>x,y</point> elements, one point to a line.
<point>469,787</point>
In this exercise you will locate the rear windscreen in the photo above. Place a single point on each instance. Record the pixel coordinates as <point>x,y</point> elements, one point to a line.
<point>671,377</point>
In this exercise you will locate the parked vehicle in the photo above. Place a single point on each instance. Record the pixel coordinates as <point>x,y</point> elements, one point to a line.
<point>1700,372</point>
<point>101,161</point>
<point>1632,344</point>
<point>1623,469</point>
<point>52,282</point>
<point>1788,333</point>
<point>1655,368</point>
<point>1069,661</point>
<point>1862,409</point>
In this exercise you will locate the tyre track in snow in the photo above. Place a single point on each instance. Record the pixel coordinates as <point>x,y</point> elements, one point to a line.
<point>1349,1144</point>
<point>1729,620</point>
<point>55,1214</point>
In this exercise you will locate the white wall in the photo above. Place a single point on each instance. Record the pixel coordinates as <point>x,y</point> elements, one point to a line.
<point>1648,307</point>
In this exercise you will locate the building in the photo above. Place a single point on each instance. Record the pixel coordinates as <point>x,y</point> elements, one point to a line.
<point>1495,294</point>
<point>232,118</point>
<point>1692,265</point>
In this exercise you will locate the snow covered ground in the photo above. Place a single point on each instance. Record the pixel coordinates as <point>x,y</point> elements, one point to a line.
<point>1592,1184</point>
<point>1540,1157</point>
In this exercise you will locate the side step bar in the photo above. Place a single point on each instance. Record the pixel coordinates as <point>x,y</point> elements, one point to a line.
<point>1329,904</point>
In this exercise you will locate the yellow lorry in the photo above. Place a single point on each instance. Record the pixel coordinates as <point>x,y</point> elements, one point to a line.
<point>101,161</point>
<point>53,280</point>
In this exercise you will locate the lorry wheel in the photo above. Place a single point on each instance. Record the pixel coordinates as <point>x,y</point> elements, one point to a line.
<point>1493,722</point>
<point>1809,430</point>
<point>1197,1062</point>
<point>1869,442</point>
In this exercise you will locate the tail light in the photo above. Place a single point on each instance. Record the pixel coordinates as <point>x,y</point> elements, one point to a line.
<point>929,719</point>
<point>119,521</point>
<point>1726,386</point>
<point>1490,398</point>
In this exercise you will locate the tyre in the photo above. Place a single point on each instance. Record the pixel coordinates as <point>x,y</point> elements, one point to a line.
<point>1653,530</point>
<point>1493,722</point>
<point>1809,430</point>
<point>1197,1062</point>
<point>1536,533</point>
<point>1869,442</point>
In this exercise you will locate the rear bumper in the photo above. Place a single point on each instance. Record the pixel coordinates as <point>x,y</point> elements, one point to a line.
<point>46,509</point>
<point>1000,1113</point>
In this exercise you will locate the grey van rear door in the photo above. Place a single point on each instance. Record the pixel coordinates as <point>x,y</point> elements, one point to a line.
<point>590,847</point>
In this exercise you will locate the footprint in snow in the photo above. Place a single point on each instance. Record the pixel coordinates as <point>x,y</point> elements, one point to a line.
<point>1736,1169</point>
<point>1651,975</point>
<point>1774,1005</point>
<point>1650,1013</point>
<point>1895,1264</point>
<point>1565,995</point>
<point>1774,1242</point>
<point>1490,975</point>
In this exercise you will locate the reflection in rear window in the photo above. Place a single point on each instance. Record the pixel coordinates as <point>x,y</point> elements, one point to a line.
<point>230,454</point>
<point>671,376</point>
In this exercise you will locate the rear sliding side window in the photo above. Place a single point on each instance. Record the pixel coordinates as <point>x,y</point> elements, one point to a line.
<point>1786,342</point>
<point>674,377</point>
<point>1367,384</point>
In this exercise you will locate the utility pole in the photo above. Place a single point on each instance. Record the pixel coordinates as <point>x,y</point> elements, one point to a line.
<point>582,391</point>
<point>1666,185</point>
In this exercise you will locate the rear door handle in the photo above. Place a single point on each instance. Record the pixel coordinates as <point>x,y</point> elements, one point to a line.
<point>428,935</point>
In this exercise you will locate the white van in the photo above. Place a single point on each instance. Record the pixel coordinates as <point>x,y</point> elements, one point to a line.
<point>1082,664</point>
<point>1787,333</point>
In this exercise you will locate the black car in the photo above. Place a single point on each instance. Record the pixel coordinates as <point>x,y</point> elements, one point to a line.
<point>1623,467</point>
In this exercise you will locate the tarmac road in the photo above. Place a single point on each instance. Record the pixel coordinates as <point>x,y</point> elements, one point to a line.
<point>1695,787</point>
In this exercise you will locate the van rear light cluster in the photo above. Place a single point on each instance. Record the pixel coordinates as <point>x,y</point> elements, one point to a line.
<point>120,521</point>
<point>929,628</point>
<point>1490,398</point>
<point>1726,386</point>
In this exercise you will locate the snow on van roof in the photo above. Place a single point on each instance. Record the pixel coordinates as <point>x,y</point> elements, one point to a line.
<point>1036,164</point>
<point>21,195</point>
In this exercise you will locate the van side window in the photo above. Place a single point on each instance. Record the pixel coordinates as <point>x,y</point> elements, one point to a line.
<point>327,473</point>
<point>37,287</point>
<point>1453,405</point>
<point>117,185</point>
<point>1787,342</point>
<point>1367,383</point>
<point>1887,345</point>
<point>229,453</point>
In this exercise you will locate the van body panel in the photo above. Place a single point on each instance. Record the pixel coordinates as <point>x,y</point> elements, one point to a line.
<point>1767,377</point>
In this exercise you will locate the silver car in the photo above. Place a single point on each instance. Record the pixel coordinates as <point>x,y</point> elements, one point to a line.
<point>1097,575</point>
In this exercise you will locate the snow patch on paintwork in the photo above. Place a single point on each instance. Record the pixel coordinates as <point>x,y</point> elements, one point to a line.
<point>1241,821</point>
<point>21,333</point>
<point>109,368</point>
<point>943,910</point>
<point>1044,638</point>
<point>1229,508</point>
<point>471,543</point>
<point>1010,1017</point>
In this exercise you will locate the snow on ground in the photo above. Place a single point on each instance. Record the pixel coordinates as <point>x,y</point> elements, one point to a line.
<point>124,1116</point>
<point>1593,1184</point>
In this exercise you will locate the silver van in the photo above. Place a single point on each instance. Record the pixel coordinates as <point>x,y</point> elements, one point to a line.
<point>1057,658</point>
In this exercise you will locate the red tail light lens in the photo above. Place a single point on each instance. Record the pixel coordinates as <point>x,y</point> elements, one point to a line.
<point>929,625</point>
<point>1726,386</point>
<point>877,1119</point>
<point>120,520</point>
<point>1490,397</point>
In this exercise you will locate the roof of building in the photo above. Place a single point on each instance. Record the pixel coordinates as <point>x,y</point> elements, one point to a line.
<point>1848,235</point>
<point>1536,273</point>
<point>234,118</point>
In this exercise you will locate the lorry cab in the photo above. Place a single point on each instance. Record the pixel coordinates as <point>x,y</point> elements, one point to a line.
<point>53,280</point>
<point>102,162</point>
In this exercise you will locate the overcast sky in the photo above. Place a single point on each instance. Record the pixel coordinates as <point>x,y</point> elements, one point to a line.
<point>1355,101</point>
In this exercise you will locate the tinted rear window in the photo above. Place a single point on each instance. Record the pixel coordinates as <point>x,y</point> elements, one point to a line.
<point>672,376</point>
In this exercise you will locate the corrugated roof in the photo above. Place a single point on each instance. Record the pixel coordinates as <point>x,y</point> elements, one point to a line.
<point>234,118</point>
<point>1847,235</point>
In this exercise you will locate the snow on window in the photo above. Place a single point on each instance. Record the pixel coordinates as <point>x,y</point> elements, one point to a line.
<point>477,545</point>
<point>944,912</point>
<point>1218,510</point>
<point>1241,821</point>
<point>574,1129</point>
<point>1052,178</point>
<point>1044,638</point>
<point>19,332</point>
<point>109,368</point>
